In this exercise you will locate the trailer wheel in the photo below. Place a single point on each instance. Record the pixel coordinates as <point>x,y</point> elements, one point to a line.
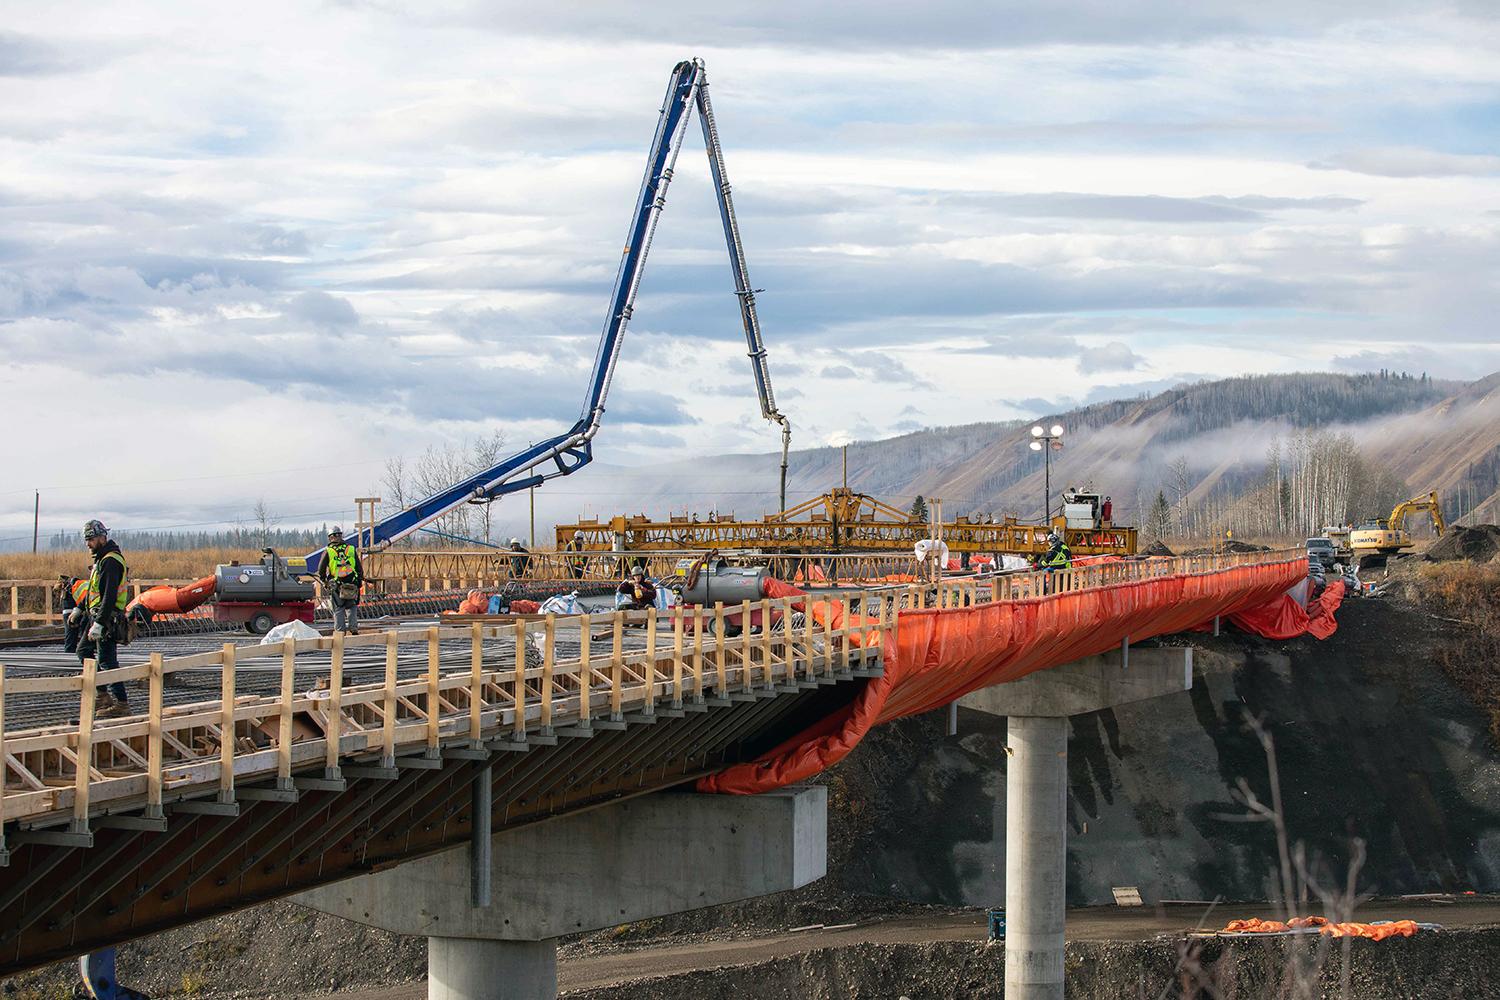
<point>260,623</point>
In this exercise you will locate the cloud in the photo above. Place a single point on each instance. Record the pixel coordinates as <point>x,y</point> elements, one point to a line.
<point>1114,356</point>
<point>1409,162</point>
<point>322,309</point>
<point>23,55</point>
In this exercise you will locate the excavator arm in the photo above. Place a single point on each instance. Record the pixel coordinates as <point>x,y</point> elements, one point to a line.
<point>567,452</point>
<point>1428,503</point>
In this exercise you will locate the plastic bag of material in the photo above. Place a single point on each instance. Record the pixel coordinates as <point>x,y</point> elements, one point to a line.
<point>560,604</point>
<point>494,606</point>
<point>289,630</point>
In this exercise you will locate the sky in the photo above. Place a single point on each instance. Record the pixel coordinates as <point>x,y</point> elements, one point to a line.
<point>252,252</point>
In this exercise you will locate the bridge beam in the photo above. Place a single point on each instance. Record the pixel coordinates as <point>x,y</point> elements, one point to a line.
<point>1036,708</point>
<point>645,857</point>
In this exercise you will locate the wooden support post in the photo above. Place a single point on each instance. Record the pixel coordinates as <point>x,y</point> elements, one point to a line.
<point>388,702</point>
<point>697,654</point>
<point>549,666</point>
<point>518,685</point>
<point>476,682</point>
<point>828,633</point>
<point>676,656</point>
<point>809,633</point>
<point>226,723</point>
<point>85,748</point>
<point>335,709</point>
<point>721,650</point>
<point>767,664</point>
<point>155,682</point>
<point>617,668</point>
<point>434,707</point>
<point>585,669</point>
<point>650,672</point>
<point>747,651</point>
<point>284,720</point>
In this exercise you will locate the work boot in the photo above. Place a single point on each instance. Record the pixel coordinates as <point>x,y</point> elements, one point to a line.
<point>103,700</point>
<point>115,710</point>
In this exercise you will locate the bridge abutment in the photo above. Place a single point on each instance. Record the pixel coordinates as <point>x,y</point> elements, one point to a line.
<point>1037,708</point>
<point>644,857</point>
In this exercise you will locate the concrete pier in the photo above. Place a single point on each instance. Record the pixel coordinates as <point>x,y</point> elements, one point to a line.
<point>1036,709</point>
<point>479,969</point>
<point>644,857</point>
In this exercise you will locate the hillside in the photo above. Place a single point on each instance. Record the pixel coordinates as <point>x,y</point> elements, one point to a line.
<point>1204,446</point>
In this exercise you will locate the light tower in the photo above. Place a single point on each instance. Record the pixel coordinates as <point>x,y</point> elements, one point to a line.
<point>1047,440</point>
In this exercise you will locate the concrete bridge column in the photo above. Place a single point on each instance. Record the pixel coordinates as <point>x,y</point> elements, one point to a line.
<point>643,857</point>
<point>1037,708</point>
<point>480,969</point>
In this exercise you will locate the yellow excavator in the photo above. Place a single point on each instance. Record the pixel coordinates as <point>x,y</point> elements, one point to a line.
<point>1388,537</point>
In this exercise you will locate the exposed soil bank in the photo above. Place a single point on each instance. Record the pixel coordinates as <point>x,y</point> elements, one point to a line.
<point>1445,965</point>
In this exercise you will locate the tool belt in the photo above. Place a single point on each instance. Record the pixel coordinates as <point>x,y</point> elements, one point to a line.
<point>346,591</point>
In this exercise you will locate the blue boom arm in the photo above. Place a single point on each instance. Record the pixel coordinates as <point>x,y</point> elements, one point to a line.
<point>570,451</point>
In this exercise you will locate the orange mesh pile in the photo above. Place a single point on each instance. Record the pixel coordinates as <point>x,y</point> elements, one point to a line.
<point>1375,932</point>
<point>940,656</point>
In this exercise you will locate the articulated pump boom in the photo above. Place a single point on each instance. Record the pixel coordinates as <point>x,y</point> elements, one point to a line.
<point>570,451</point>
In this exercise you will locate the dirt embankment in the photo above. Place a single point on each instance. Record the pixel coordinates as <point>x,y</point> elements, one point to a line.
<point>1446,965</point>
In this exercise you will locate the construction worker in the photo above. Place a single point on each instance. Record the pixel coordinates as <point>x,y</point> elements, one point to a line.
<point>342,576</point>
<point>521,560</point>
<point>575,563</point>
<point>638,592</point>
<point>74,591</point>
<point>1058,556</point>
<point>102,614</point>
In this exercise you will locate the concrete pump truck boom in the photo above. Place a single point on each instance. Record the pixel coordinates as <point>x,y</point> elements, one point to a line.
<point>570,451</point>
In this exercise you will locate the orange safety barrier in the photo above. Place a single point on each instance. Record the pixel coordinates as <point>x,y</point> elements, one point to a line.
<point>1284,618</point>
<point>939,656</point>
<point>175,600</point>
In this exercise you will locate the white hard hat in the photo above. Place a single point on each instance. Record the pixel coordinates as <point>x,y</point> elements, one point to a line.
<point>515,541</point>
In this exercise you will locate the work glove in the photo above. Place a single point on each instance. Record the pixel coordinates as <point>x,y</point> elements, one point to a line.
<point>75,616</point>
<point>96,632</point>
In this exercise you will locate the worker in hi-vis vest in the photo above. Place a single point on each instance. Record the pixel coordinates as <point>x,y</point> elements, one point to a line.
<point>342,576</point>
<point>102,614</point>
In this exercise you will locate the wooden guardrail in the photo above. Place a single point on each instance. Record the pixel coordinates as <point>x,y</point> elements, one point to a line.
<point>464,694</point>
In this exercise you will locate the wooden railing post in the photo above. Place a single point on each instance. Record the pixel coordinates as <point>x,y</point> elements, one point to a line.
<point>828,633</point>
<point>650,672</point>
<point>617,668</point>
<point>809,633</point>
<point>434,706</point>
<point>585,670</point>
<point>476,683</point>
<point>388,702</point>
<point>676,656</point>
<point>697,654</point>
<point>747,651</point>
<point>766,662</point>
<point>155,681</point>
<point>549,664</point>
<point>518,685</point>
<point>285,715</point>
<point>335,708</point>
<point>85,747</point>
<point>226,722</point>
<point>721,652</point>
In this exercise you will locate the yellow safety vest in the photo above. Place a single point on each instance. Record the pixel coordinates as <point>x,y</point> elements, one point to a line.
<point>1062,558</point>
<point>341,561</point>
<point>80,590</point>
<point>122,595</point>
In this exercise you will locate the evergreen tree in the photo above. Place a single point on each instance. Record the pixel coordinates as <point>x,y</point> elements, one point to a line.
<point>919,509</point>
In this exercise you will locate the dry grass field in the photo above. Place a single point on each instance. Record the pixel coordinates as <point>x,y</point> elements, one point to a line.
<point>145,564</point>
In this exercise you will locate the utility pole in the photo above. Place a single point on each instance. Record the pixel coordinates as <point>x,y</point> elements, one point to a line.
<point>846,466</point>
<point>532,491</point>
<point>36,517</point>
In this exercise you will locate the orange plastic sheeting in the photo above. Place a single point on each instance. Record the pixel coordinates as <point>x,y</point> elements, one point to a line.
<point>474,603</point>
<point>1255,925</point>
<point>175,600</point>
<point>939,656</point>
<point>1375,932</point>
<point>831,613</point>
<point>1284,618</point>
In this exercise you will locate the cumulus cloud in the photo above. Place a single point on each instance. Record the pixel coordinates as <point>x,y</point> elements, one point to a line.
<point>1114,356</point>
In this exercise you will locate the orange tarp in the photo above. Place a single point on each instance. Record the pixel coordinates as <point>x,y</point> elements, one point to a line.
<point>1284,618</point>
<point>1375,932</point>
<point>939,656</point>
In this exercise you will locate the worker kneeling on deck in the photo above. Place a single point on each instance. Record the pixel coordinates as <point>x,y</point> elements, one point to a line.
<point>342,576</point>
<point>1057,557</point>
<point>637,593</point>
<point>75,594</point>
<point>101,615</point>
